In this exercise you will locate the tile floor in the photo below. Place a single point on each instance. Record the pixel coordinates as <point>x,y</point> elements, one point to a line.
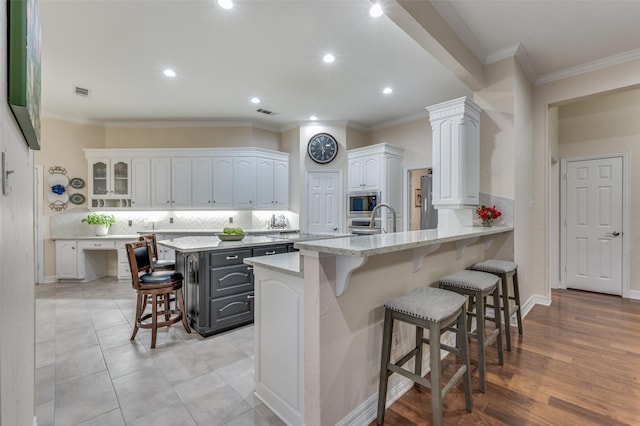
<point>89,373</point>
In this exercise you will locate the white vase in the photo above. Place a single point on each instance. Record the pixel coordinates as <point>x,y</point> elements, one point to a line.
<point>101,230</point>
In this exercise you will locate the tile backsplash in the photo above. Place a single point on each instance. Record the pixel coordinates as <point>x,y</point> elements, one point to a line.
<point>69,224</point>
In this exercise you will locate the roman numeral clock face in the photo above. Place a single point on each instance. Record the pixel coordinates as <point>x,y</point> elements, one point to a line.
<point>322,148</point>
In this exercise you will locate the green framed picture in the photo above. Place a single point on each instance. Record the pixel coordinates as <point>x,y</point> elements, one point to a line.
<point>24,67</point>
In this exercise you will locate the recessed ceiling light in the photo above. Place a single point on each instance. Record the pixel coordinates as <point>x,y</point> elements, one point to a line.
<point>225,4</point>
<point>255,100</point>
<point>387,90</point>
<point>376,11</point>
<point>313,118</point>
<point>169,72</point>
<point>329,58</point>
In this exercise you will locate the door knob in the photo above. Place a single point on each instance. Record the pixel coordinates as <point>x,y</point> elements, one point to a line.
<point>615,233</point>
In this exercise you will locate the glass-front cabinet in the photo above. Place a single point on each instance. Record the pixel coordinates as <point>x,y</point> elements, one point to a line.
<point>110,178</point>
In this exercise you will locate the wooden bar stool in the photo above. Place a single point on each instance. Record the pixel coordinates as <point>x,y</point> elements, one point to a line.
<point>504,269</point>
<point>158,264</point>
<point>477,286</point>
<point>437,311</point>
<point>158,287</point>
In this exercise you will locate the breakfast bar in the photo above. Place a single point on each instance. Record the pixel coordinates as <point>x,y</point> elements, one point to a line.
<point>326,304</point>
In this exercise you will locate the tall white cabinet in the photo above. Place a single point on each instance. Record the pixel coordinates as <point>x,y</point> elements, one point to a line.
<point>379,168</point>
<point>456,153</point>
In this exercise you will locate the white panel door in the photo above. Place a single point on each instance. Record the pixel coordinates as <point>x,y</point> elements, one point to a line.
<point>201,182</point>
<point>222,182</point>
<point>594,225</point>
<point>281,184</point>
<point>244,182</point>
<point>264,183</point>
<point>323,202</point>
<point>181,182</point>
<point>161,183</point>
<point>140,183</point>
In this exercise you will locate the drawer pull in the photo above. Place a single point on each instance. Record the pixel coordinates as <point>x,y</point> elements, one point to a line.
<point>270,252</point>
<point>250,296</point>
<point>97,245</point>
<point>232,257</point>
<point>249,268</point>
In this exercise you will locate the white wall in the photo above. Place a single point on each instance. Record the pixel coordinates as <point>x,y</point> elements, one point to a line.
<point>17,286</point>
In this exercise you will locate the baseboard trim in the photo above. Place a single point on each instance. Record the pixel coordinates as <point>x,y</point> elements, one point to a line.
<point>633,294</point>
<point>49,279</point>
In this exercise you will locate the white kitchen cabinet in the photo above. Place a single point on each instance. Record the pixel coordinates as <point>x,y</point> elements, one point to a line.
<point>67,260</point>
<point>244,182</point>
<point>364,172</point>
<point>165,253</point>
<point>379,168</point>
<point>171,182</point>
<point>222,182</point>
<point>109,178</point>
<point>456,159</point>
<point>191,178</point>
<point>180,183</point>
<point>201,182</point>
<point>161,183</point>
<point>140,183</point>
<point>272,184</point>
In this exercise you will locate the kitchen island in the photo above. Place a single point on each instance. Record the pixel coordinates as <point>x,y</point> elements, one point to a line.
<point>319,316</point>
<point>218,286</point>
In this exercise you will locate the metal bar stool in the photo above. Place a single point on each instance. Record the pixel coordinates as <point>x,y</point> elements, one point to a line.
<point>504,269</point>
<point>477,286</point>
<point>438,311</point>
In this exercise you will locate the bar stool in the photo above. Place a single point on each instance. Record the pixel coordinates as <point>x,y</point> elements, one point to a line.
<point>477,286</point>
<point>437,311</point>
<point>504,269</point>
<point>158,264</point>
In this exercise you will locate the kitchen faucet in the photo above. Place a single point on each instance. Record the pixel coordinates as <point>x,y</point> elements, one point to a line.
<point>375,209</point>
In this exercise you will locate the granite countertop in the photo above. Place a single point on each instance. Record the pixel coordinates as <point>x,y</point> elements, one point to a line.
<point>369,245</point>
<point>287,263</point>
<point>202,243</point>
<point>212,231</point>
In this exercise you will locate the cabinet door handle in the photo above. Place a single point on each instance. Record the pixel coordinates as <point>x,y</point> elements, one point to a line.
<point>250,296</point>
<point>249,268</point>
<point>232,257</point>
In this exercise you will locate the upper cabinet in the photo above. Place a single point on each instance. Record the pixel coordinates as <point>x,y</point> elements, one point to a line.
<point>198,178</point>
<point>272,184</point>
<point>364,172</point>
<point>456,158</point>
<point>110,178</point>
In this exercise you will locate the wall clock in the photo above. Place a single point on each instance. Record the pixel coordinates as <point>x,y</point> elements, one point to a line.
<point>322,148</point>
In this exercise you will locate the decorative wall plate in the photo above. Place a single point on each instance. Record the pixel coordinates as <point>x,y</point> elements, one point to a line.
<point>58,198</point>
<point>58,179</point>
<point>77,198</point>
<point>76,183</point>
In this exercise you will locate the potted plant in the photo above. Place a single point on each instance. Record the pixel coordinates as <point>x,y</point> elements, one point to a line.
<point>101,222</point>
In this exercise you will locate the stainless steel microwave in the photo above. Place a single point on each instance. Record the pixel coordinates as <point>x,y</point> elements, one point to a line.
<point>362,203</point>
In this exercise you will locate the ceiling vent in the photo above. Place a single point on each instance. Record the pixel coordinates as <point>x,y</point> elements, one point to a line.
<point>81,91</point>
<point>266,111</point>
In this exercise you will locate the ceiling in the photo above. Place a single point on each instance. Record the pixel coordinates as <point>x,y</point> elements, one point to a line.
<point>273,50</point>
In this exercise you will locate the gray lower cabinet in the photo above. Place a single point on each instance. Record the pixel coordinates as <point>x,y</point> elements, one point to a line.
<point>218,287</point>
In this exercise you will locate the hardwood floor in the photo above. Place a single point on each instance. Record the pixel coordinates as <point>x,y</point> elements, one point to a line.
<point>578,363</point>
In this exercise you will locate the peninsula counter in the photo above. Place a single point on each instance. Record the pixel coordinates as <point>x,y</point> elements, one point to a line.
<point>319,315</point>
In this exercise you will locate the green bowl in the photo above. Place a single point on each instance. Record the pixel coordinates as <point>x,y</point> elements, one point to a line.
<point>231,237</point>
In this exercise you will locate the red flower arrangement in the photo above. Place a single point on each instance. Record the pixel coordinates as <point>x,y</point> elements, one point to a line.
<point>488,214</point>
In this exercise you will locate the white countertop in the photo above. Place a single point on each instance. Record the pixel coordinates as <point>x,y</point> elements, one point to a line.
<point>369,245</point>
<point>131,237</point>
<point>212,242</point>
<point>288,263</point>
<point>211,231</point>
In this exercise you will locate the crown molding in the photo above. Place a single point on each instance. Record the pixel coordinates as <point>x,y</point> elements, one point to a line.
<point>192,124</point>
<point>618,59</point>
<point>53,116</point>
<point>402,120</point>
<point>449,14</point>
<point>518,51</point>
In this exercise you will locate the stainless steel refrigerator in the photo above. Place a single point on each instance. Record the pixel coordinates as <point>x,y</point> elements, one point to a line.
<point>428,215</point>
